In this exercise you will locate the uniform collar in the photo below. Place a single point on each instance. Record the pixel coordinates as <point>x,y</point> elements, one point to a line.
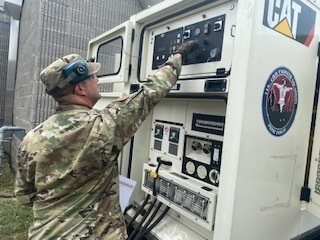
<point>63,108</point>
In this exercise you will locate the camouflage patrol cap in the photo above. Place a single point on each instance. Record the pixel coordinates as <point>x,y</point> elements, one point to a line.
<point>66,71</point>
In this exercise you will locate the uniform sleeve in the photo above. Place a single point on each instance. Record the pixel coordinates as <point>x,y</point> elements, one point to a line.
<point>131,111</point>
<point>24,180</point>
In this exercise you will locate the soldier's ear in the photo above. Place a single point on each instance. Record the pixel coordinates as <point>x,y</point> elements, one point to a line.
<point>79,90</point>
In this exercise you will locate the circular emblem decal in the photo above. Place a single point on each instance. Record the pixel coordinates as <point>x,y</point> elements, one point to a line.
<point>280,100</point>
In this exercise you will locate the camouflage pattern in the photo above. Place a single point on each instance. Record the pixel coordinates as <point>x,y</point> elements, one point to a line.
<point>52,75</point>
<point>67,166</point>
<point>187,47</point>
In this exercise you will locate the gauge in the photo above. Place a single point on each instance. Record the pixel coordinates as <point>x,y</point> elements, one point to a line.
<point>202,172</point>
<point>214,176</point>
<point>190,167</point>
<point>197,32</point>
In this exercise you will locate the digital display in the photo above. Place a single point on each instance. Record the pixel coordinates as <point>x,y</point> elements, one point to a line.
<point>161,48</point>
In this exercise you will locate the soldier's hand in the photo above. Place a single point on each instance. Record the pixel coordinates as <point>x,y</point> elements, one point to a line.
<point>187,47</point>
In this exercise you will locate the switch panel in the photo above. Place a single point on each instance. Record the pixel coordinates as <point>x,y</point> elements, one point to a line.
<point>202,159</point>
<point>208,34</point>
<point>191,199</point>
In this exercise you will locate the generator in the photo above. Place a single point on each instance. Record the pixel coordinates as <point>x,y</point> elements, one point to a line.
<point>233,151</point>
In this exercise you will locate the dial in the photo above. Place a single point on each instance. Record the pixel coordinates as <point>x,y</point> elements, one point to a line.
<point>202,172</point>
<point>197,32</point>
<point>190,167</point>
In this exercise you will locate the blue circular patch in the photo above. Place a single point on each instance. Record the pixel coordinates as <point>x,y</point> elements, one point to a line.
<point>280,100</point>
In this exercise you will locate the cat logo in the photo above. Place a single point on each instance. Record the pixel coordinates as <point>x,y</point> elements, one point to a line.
<point>291,18</point>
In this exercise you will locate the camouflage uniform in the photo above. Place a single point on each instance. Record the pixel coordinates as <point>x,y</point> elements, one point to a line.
<point>67,166</point>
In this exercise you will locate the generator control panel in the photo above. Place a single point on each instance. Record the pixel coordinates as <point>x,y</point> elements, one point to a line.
<point>213,30</point>
<point>208,34</point>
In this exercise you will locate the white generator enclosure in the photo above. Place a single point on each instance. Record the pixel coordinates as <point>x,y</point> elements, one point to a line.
<point>233,151</point>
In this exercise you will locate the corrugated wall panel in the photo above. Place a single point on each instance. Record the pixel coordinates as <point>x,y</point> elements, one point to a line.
<point>67,26</point>
<point>58,27</point>
<point>4,49</point>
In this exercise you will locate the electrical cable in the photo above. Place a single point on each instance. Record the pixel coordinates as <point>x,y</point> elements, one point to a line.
<point>130,157</point>
<point>154,188</point>
<point>155,175</point>
<point>127,209</point>
<point>149,220</point>
<point>138,211</point>
<point>130,55</point>
<point>145,232</point>
<point>136,230</point>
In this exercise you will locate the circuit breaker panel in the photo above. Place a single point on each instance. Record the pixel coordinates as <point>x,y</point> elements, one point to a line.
<point>191,141</point>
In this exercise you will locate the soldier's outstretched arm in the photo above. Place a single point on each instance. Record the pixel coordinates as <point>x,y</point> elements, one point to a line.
<point>131,111</point>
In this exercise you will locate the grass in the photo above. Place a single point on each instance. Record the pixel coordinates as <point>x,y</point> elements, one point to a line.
<point>14,218</point>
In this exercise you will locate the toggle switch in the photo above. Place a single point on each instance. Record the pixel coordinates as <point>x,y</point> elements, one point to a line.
<point>187,34</point>
<point>206,28</point>
<point>217,26</point>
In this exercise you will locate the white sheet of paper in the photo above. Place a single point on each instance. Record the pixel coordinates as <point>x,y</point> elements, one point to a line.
<point>126,188</point>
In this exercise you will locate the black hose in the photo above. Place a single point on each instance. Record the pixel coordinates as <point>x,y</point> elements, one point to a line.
<point>149,220</point>
<point>10,163</point>
<point>7,196</point>
<point>132,235</point>
<point>138,211</point>
<point>146,231</point>
<point>130,157</point>
<point>12,170</point>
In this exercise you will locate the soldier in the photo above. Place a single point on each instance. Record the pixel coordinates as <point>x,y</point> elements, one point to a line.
<point>67,166</point>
